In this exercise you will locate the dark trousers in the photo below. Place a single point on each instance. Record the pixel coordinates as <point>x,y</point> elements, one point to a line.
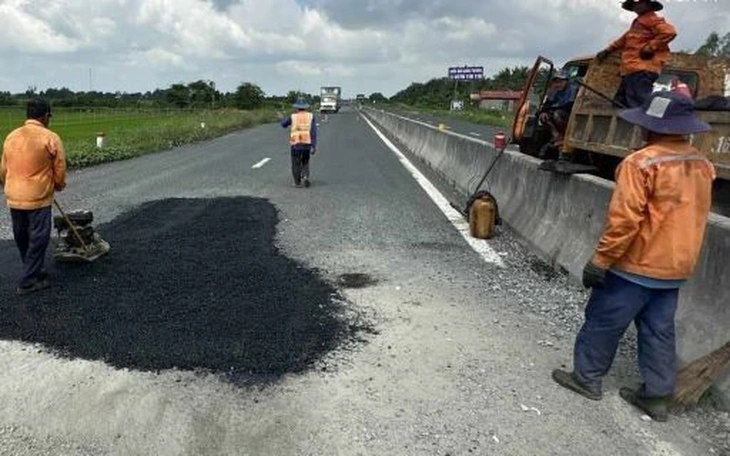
<point>636,88</point>
<point>300,164</point>
<point>610,311</point>
<point>32,232</point>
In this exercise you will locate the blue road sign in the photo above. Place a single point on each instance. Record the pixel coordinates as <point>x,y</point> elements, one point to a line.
<point>466,73</point>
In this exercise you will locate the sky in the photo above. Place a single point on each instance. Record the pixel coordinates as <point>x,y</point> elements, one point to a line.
<point>364,46</point>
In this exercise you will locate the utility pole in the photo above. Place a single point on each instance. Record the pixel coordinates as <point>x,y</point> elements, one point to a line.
<point>91,81</point>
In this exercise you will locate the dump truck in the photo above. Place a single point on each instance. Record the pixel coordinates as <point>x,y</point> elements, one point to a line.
<point>330,99</point>
<point>596,139</point>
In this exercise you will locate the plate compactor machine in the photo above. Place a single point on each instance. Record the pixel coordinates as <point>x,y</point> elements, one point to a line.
<point>77,240</point>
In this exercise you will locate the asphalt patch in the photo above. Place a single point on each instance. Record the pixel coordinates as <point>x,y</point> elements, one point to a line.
<point>189,284</point>
<point>356,280</point>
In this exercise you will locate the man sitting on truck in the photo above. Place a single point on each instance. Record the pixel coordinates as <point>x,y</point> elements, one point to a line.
<point>556,110</point>
<point>644,51</point>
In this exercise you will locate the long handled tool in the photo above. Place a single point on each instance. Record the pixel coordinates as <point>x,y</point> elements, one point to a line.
<point>615,103</point>
<point>695,378</point>
<point>71,226</point>
<point>500,152</point>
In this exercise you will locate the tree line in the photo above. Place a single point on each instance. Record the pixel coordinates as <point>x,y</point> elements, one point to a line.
<point>201,94</point>
<point>438,92</point>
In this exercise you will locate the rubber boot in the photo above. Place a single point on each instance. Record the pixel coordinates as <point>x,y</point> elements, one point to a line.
<point>569,381</point>
<point>656,407</point>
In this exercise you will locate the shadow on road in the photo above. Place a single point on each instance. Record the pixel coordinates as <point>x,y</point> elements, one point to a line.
<point>189,284</point>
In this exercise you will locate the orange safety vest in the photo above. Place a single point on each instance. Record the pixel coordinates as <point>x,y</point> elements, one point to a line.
<point>301,128</point>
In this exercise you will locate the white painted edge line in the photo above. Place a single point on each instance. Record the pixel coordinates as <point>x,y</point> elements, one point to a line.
<point>261,164</point>
<point>456,219</point>
<point>475,134</point>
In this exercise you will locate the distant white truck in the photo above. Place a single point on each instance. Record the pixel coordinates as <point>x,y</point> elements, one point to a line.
<point>330,99</point>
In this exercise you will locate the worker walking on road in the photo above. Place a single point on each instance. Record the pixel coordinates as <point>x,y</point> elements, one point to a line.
<point>649,248</point>
<point>33,168</point>
<point>303,141</point>
<point>644,51</point>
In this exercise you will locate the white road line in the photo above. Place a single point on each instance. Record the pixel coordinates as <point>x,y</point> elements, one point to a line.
<point>456,219</point>
<point>261,164</point>
<point>474,134</point>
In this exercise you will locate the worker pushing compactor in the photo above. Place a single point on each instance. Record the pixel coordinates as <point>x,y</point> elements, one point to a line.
<point>33,168</point>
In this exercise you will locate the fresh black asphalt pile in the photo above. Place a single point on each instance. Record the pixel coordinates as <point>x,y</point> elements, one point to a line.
<point>190,284</point>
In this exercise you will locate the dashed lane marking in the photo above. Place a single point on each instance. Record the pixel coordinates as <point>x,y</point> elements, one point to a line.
<point>261,164</point>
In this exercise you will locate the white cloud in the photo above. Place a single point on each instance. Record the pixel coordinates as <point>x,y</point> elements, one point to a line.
<point>23,32</point>
<point>158,58</point>
<point>366,45</point>
<point>298,68</point>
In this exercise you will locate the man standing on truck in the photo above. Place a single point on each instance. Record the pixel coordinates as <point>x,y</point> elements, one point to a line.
<point>556,110</point>
<point>303,141</point>
<point>644,51</point>
<point>32,168</point>
<point>649,248</point>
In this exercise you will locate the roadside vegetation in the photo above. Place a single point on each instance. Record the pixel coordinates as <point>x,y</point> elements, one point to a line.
<point>131,133</point>
<point>492,117</point>
<point>138,123</point>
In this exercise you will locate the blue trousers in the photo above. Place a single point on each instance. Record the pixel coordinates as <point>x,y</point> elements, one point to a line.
<point>32,232</point>
<point>609,313</point>
<point>636,88</point>
<point>300,163</point>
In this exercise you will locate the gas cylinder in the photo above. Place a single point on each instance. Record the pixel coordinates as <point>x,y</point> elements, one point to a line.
<point>482,217</point>
<point>500,141</point>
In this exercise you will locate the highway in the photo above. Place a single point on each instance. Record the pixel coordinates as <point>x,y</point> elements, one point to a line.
<point>237,314</point>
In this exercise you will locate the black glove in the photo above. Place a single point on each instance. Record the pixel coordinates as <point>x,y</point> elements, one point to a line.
<point>601,56</point>
<point>646,54</point>
<point>593,276</point>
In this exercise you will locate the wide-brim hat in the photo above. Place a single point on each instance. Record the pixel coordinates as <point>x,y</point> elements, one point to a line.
<point>561,74</point>
<point>666,113</point>
<point>629,4</point>
<point>301,104</point>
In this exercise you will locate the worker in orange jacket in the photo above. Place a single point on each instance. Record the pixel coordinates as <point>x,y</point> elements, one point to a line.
<point>32,168</point>
<point>644,51</point>
<point>649,248</point>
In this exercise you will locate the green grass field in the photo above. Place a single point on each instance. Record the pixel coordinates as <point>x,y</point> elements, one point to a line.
<point>478,116</point>
<point>131,133</point>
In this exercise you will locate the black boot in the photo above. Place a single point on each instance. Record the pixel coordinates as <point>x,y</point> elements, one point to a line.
<point>569,381</point>
<point>656,407</point>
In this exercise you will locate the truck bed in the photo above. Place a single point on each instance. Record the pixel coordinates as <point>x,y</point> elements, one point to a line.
<point>599,129</point>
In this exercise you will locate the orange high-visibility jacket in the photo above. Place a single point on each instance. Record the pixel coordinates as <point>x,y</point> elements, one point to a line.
<point>33,166</point>
<point>651,33</point>
<point>658,212</point>
<point>301,128</point>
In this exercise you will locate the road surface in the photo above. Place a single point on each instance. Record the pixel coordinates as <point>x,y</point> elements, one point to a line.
<point>237,314</point>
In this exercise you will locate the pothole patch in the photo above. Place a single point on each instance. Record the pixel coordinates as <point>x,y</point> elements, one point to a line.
<point>355,281</point>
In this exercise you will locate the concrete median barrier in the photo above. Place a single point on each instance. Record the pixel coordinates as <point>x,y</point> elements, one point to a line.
<point>561,218</point>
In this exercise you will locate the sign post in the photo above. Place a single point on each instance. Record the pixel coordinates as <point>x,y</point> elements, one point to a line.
<point>464,73</point>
